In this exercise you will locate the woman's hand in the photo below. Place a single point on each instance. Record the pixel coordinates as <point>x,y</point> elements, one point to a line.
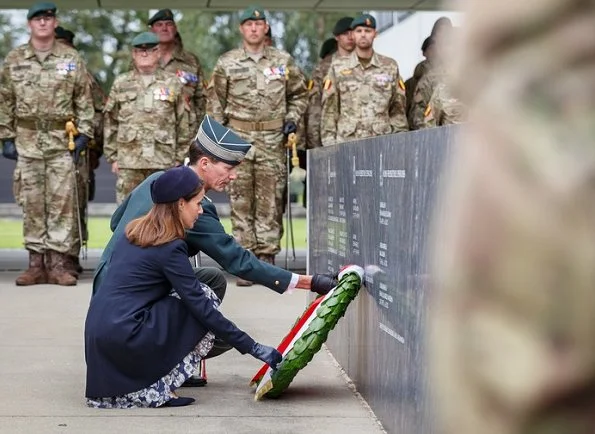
<point>269,355</point>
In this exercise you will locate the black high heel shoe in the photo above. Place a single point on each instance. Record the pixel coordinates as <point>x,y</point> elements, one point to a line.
<point>179,402</point>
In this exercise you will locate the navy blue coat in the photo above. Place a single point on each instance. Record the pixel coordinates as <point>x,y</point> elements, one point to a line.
<point>135,333</point>
<point>207,235</point>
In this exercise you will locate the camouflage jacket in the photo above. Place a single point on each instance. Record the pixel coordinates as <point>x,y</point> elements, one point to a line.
<point>98,104</point>
<point>421,69</point>
<point>41,96</point>
<point>146,127</point>
<point>444,108</point>
<point>315,102</point>
<point>360,102</point>
<point>423,93</point>
<point>187,68</point>
<point>272,88</point>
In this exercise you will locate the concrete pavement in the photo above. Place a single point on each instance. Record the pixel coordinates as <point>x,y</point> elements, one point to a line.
<point>42,373</point>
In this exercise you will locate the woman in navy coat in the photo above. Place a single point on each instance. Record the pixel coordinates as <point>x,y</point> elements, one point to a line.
<point>143,339</point>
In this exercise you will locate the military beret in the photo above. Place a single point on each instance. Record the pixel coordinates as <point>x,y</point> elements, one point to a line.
<point>364,20</point>
<point>145,40</point>
<point>342,26</point>
<point>161,15</point>
<point>45,9</point>
<point>62,33</point>
<point>220,142</point>
<point>328,47</point>
<point>428,42</point>
<point>175,184</point>
<point>252,13</point>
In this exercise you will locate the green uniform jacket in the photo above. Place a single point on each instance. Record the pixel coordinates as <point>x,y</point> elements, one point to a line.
<point>207,235</point>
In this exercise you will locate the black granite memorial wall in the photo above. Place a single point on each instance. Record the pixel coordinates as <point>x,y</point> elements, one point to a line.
<point>371,203</point>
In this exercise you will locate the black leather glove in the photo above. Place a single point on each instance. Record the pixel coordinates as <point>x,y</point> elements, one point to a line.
<point>289,127</point>
<point>323,283</point>
<point>80,145</point>
<point>9,150</point>
<point>269,355</point>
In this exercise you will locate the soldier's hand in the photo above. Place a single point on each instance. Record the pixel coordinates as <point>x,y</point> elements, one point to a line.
<point>9,150</point>
<point>115,168</point>
<point>269,355</point>
<point>289,127</point>
<point>323,283</point>
<point>80,145</point>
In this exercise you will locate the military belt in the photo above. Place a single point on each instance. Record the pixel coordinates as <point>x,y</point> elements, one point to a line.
<point>41,124</point>
<point>275,124</point>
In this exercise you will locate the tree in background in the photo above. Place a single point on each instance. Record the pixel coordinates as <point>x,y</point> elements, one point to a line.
<point>9,35</point>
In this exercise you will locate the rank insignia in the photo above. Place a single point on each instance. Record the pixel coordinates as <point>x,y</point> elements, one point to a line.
<point>327,84</point>
<point>310,84</point>
<point>428,111</point>
<point>401,84</point>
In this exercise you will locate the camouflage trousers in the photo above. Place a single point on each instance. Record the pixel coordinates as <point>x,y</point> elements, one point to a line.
<point>83,198</point>
<point>128,179</point>
<point>256,196</point>
<point>47,197</point>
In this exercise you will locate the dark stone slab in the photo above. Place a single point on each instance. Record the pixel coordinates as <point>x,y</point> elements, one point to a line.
<point>370,203</point>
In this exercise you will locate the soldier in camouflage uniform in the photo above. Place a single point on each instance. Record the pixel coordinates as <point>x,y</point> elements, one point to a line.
<point>363,94</point>
<point>343,46</point>
<point>87,165</point>
<point>513,348</point>
<point>260,93</point>
<point>44,85</point>
<point>438,73</point>
<point>146,119</point>
<point>177,60</point>
<point>428,49</point>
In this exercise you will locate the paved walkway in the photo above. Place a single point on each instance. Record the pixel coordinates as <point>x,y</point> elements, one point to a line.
<point>42,373</point>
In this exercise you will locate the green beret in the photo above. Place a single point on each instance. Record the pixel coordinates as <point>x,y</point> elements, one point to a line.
<point>328,47</point>
<point>252,13</point>
<point>62,33</point>
<point>161,15</point>
<point>342,26</point>
<point>364,20</point>
<point>45,9</point>
<point>145,40</point>
<point>220,142</point>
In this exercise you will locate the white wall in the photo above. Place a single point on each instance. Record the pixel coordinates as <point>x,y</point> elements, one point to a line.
<point>403,41</point>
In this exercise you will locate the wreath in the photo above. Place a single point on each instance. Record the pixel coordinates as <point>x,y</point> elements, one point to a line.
<point>308,334</point>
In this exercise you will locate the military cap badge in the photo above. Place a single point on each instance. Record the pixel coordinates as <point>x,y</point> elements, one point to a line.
<point>368,22</point>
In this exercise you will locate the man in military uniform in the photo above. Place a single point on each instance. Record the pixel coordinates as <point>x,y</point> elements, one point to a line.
<point>214,155</point>
<point>146,119</point>
<point>363,93</point>
<point>181,62</point>
<point>438,72</point>
<point>342,47</point>
<point>43,86</point>
<point>261,93</point>
<point>90,162</point>
<point>513,314</point>
<point>428,49</point>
